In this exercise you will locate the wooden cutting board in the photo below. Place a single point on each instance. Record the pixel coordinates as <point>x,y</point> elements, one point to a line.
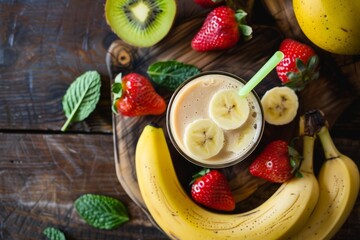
<point>331,93</point>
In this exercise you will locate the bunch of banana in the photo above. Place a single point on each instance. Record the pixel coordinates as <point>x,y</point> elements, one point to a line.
<point>339,187</point>
<point>281,216</point>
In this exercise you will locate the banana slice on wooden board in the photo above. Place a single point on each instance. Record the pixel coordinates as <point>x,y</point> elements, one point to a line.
<point>280,105</point>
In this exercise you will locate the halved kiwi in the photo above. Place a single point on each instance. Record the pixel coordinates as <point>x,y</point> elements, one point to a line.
<point>141,23</point>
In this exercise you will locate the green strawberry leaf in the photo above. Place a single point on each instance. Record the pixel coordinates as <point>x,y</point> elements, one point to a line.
<point>197,175</point>
<point>240,15</point>
<point>295,158</point>
<point>170,74</point>
<point>116,87</point>
<point>245,29</point>
<point>81,97</point>
<point>101,212</point>
<point>117,90</point>
<point>53,234</point>
<point>305,74</point>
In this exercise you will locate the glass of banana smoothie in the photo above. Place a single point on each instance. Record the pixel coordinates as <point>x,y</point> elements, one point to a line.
<point>210,124</point>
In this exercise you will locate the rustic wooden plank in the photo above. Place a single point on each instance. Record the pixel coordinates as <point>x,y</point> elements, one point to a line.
<point>44,46</point>
<point>49,44</point>
<point>42,175</point>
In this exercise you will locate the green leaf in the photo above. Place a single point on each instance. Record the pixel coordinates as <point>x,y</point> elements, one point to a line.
<point>170,74</point>
<point>81,97</point>
<point>117,90</point>
<point>246,30</point>
<point>101,211</point>
<point>53,234</point>
<point>313,64</point>
<point>300,65</point>
<point>197,175</point>
<point>240,16</point>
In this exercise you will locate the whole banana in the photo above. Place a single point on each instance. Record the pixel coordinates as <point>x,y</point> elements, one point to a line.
<point>339,187</point>
<point>282,215</point>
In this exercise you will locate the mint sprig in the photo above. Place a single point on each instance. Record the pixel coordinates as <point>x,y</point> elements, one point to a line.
<point>101,212</point>
<point>52,233</point>
<point>81,97</point>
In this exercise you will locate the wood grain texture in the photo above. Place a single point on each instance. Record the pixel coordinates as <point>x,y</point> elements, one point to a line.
<point>48,44</point>
<point>42,175</point>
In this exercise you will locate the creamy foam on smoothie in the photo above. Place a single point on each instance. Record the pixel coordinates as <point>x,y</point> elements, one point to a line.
<point>192,103</point>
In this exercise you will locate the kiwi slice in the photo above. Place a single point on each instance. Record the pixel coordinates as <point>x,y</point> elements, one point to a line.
<point>141,23</point>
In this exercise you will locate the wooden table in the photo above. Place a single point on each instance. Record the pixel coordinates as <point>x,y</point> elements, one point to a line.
<point>44,46</point>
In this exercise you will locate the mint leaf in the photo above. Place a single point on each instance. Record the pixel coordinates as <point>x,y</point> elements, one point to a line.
<point>101,211</point>
<point>170,74</point>
<point>53,234</point>
<point>81,97</point>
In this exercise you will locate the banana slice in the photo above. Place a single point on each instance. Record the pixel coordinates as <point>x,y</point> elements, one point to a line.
<point>228,110</point>
<point>203,138</point>
<point>241,139</point>
<point>280,105</point>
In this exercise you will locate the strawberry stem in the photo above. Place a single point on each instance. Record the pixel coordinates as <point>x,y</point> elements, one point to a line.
<point>117,90</point>
<point>246,30</point>
<point>295,158</point>
<point>203,172</point>
<point>306,73</point>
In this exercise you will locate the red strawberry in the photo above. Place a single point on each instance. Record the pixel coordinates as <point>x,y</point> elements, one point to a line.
<point>209,3</point>
<point>211,189</point>
<point>276,163</point>
<point>221,30</point>
<point>299,65</point>
<point>135,96</point>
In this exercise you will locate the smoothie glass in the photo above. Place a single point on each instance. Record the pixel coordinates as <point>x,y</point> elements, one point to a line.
<point>190,102</point>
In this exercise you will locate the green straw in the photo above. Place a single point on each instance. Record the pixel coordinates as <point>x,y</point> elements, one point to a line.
<point>261,74</point>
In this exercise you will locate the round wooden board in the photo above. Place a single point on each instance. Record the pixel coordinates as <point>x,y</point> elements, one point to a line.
<point>331,93</point>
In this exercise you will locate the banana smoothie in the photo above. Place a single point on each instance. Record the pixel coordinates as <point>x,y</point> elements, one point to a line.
<point>210,124</point>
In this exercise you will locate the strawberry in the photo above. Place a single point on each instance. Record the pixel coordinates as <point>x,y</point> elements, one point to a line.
<point>299,65</point>
<point>209,3</point>
<point>221,30</point>
<point>277,163</point>
<point>211,189</point>
<point>135,96</point>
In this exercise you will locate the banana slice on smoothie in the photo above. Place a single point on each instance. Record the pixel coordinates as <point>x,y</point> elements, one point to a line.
<point>228,110</point>
<point>280,105</point>
<point>203,138</point>
<point>241,140</point>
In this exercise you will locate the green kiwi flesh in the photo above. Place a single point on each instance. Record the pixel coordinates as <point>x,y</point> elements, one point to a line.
<point>140,23</point>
